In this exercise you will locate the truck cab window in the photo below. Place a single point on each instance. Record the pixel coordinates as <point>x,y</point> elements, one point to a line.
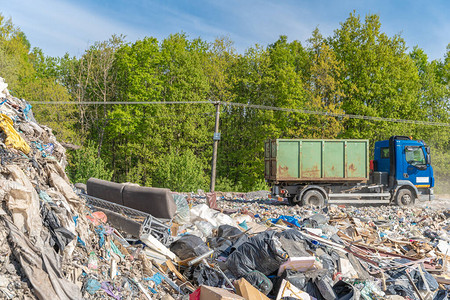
<point>384,152</point>
<point>415,156</point>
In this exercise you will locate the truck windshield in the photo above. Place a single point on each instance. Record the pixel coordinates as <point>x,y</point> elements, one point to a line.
<point>415,156</point>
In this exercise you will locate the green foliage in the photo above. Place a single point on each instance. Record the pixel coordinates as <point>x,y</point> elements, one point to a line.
<point>15,66</point>
<point>182,172</point>
<point>358,70</point>
<point>225,184</point>
<point>84,164</point>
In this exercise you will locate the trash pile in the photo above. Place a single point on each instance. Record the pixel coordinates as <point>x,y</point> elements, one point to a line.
<point>60,242</point>
<point>338,252</point>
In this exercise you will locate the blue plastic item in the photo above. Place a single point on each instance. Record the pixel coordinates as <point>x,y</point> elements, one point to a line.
<point>290,219</point>
<point>157,278</point>
<point>92,286</point>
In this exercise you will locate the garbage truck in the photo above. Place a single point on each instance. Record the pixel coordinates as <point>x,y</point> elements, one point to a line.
<point>320,171</point>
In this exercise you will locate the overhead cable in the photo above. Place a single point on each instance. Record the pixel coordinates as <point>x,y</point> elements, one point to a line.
<point>248,105</point>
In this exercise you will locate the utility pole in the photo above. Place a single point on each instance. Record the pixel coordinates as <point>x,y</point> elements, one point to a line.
<point>216,139</point>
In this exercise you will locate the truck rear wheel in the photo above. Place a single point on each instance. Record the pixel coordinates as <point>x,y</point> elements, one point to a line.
<point>313,198</point>
<point>292,200</point>
<point>404,197</point>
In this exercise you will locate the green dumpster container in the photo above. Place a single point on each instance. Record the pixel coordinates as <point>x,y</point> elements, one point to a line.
<point>310,160</point>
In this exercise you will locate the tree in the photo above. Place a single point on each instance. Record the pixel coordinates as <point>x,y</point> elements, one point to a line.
<point>141,135</point>
<point>14,62</point>
<point>325,88</point>
<point>433,94</point>
<point>93,78</point>
<point>379,78</point>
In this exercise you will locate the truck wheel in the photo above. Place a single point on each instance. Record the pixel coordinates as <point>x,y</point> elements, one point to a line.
<point>404,198</point>
<point>313,198</point>
<point>293,200</point>
<point>290,200</point>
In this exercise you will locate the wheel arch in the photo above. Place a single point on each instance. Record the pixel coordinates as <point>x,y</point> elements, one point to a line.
<point>405,184</point>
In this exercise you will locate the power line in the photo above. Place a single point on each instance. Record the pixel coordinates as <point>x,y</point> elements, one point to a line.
<point>117,102</point>
<point>136,117</point>
<point>330,114</point>
<point>255,106</point>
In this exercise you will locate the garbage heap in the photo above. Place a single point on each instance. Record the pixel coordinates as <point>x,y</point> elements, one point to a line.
<point>53,246</point>
<point>55,243</point>
<point>338,252</point>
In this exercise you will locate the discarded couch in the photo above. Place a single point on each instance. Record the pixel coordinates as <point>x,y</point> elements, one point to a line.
<point>156,201</point>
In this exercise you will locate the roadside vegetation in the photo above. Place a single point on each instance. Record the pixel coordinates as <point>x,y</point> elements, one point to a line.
<point>359,70</point>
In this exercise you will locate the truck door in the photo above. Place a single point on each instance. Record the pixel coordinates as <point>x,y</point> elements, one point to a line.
<point>415,167</point>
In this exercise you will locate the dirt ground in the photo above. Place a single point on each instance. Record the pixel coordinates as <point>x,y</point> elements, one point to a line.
<point>441,201</point>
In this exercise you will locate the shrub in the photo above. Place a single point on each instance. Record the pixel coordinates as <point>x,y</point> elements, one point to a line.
<point>84,164</point>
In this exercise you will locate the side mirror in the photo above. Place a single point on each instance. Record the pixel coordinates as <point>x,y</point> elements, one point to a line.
<point>428,149</point>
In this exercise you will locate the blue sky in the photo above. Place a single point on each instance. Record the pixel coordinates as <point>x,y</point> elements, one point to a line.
<point>60,26</point>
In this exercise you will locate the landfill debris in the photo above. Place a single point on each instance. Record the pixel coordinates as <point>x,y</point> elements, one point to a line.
<point>214,293</point>
<point>158,202</point>
<point>248,291</point>
<point>57,242</point>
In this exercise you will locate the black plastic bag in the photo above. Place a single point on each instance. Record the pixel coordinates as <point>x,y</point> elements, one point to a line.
<point>204,275</point>
<point>404,290</point>
<point>315,220</point>
<point>400,274</point>
<point>60,236</point>
<point>294,243</point>
<point>229,232</point>
<point>432,282</point>
<point>259,281</point>
<point>317,283</point>
<point>442,295</point>
<point>297,236</point>
<point>324,284</point>
<point>345,291</point>
<point>328,263</point>
<point>262,252</point>
<point>188,246</point>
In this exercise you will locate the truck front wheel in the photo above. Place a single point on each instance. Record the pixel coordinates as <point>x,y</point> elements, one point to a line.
<point>313,198</point>
<point>404,198</point>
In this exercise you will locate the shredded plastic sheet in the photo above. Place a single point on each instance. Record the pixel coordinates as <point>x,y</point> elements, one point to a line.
<point>108,288</point>
<point>42,268</point>
<point>116,250</point>
<point>13,138</point>
<point>182,215</point>
<point>92,286</point>
<point>22,201</point>
<point>64,188</point>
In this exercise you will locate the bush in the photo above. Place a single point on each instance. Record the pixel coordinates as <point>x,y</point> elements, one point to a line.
<point>224,184</point>
<point>181,172</point>
<point>84,164</point>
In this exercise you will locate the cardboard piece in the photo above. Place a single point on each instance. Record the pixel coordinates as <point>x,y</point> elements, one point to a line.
<point>213,293</point>
<point>157,246</point>
<point>289,290</point>
<point>301,264</point>
<point>248,291</point>
<point>347,268</point>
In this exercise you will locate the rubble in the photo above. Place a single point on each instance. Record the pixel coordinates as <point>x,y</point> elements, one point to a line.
<point>56,242</point>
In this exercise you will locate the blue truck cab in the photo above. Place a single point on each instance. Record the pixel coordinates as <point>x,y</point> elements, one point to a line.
<point>405,165</point>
